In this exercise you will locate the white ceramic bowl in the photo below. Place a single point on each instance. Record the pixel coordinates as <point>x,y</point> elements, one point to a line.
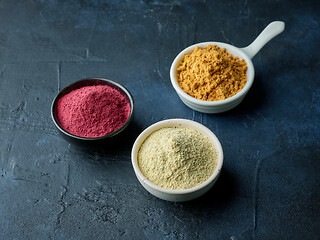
<point>177,195</point>
<point>212,106</point>
<point>247,53</point>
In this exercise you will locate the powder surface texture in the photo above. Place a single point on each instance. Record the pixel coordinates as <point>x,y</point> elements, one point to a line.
<point>211,73</point>
<point>92,111</point>
<point>177,158</point>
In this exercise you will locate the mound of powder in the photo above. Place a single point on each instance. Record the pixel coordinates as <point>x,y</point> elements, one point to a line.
<point>211,74</point>
<point>177,158</point>
<point>92,111</point>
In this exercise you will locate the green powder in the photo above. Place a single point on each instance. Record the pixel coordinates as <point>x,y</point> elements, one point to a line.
<point>177,158</point>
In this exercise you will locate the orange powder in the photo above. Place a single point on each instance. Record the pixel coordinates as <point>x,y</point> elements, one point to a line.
<point>211,73</point>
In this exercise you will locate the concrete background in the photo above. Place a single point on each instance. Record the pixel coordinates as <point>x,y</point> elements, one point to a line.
<point>51,189</point>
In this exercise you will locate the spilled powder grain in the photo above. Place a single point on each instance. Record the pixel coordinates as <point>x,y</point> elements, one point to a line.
<point>177,158</point>
<point>211,74</point>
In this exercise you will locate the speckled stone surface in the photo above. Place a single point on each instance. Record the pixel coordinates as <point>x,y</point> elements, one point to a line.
<point>52,189</point>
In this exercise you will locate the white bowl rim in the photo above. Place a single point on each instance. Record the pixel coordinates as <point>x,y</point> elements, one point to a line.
<point>168,123</point>
<point>189,49</point>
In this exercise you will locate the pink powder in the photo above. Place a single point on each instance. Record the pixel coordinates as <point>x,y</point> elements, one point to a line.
<point>92,111</point>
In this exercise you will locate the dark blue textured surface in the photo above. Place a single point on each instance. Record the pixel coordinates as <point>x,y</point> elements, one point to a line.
<point>50,189</point>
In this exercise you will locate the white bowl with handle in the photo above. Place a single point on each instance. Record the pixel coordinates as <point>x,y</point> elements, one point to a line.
<point>247,53</point>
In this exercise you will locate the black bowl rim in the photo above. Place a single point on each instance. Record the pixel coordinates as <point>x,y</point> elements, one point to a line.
<point>111,82</point>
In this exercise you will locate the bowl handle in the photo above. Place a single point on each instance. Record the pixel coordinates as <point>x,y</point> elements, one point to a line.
<point>272,30</point>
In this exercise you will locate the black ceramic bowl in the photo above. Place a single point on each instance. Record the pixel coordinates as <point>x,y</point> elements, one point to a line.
<point>92,82</point>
